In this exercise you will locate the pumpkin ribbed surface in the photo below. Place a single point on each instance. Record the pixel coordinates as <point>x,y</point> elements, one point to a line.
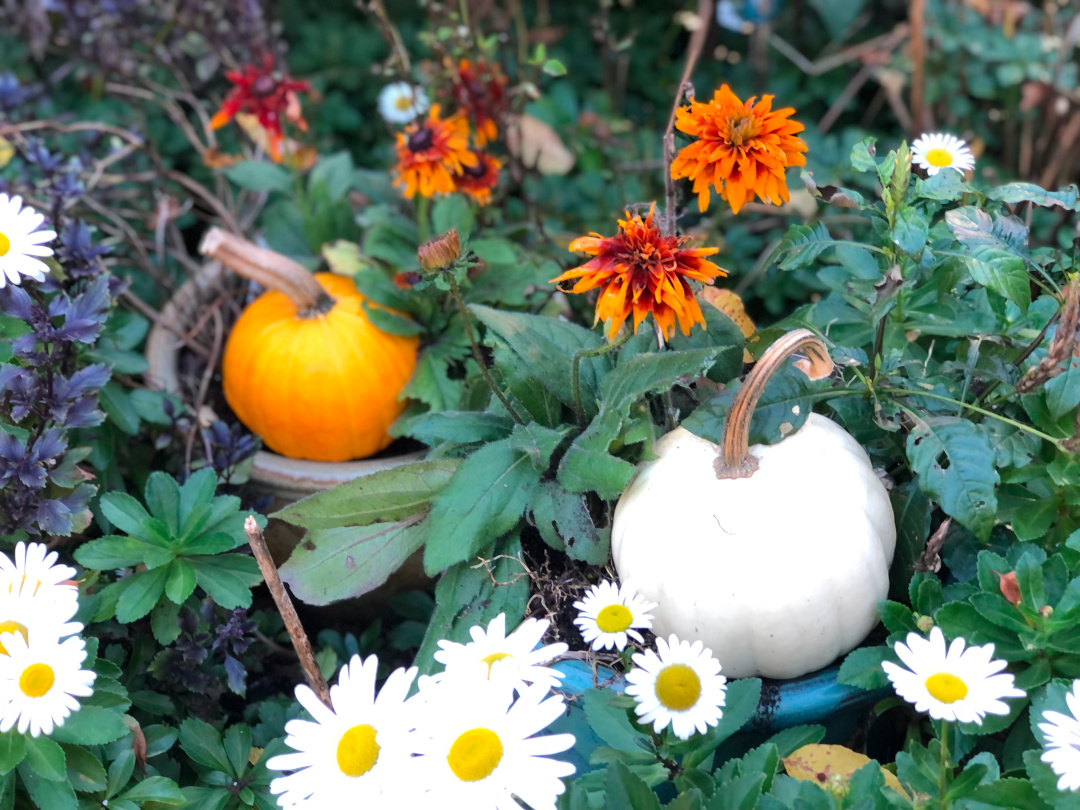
<point>325,387</point>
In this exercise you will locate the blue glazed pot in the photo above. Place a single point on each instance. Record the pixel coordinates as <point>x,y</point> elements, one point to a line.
<point>813,698</point>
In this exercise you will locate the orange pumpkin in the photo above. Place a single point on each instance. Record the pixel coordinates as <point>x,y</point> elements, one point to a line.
<point>304,368</point>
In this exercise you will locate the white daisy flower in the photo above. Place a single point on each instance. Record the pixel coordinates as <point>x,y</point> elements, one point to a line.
<point>937,151</point>
<point>609,613</point>
<point>478,748</point>
<point>955,685</point>
<point>514,657</point>
<point>33,618</point>
<point>401,102</point>
<point>21,243</point>
<point>680,687</point>
<point>33,573</point>
<point>39,682</point>
<point>353,753</point>
<point>1062,732</point>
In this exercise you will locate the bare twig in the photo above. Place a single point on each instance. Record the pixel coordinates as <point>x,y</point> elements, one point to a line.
<point>288,612</point>
<point>916,18</point>
<point>930,559</point>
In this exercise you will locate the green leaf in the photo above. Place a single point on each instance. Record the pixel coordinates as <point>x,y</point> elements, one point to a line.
<point>1017,794</point>
<point>954,463</point>
<point>862,155</point>
<point>257,175</point>
<point>120,771</point>
<point>994,256</point>
<point>801,245</point>
<point>227,578</point>
<point>484,500</point>
<point>385,496</point>
<point>393,323</point>
<point>564,521</point>
<point>116,402</point>
<point>538,442</point>
<point>790,740</point>
<point>113,551</point>
<point>342,563</point>
<point>546,346</point>
<point>84,770</point>
<point>155,789</point>
<point>961,620</point>
<point>181,581</point>
<point>611,723</point>
<point>48,794</point>
<point>335,172</point>
<point>202,742</point>
<point>46,758</point>
<point>163,500</point>
<point>587,466</point>
<point>237,743</point>
<point>742,701</point>
<point>91,725</point>
<point>1044,781</point>
<point>463,427</point>
<point>910,231</point>
<point>124,512</point>
<point>12,750</point>
<point>452,211</point>
<point>627,791</point>
<point>200,798</point>
<point>862,668</point>
<point>165,622</point>
<point>1063,391</point>
<point>142,591</point>
<point>1013,193</point>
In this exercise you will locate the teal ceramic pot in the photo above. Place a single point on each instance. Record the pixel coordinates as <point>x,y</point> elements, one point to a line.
<point>814,698</point>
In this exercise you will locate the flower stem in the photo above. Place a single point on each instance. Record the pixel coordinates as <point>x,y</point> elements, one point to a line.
<point>579,409</point>
<point>422,218</point>
<point>455,293</point>
<point>943,778</point>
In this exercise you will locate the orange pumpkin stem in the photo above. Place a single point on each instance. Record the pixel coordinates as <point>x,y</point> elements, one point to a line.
<point>268,268</point>
<point>735,460</point>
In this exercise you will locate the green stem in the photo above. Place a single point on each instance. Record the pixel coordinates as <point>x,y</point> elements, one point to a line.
<point>976,409</point>
<point>943,779</point>
<point>579,409</point>
<point>455,293</point>
<point>422,218</point>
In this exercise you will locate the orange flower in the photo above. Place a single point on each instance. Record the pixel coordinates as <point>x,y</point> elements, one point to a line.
<point>642,271</point>
<point>480,90</point>
<point>742,149</point>
<point>268,96</point>
<point>477,181</point>
<point>431,153</point>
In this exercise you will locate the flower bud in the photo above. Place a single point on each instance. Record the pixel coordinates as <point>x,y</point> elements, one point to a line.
<point>924,623</point>
<point>440,252</point>
<point>1046,611</point>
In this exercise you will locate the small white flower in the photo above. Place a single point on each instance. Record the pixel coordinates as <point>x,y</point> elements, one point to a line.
<point>39,682</point>
<point>955,685</point>
<point>514,657</point>
<point>1062,732</point>
<point>355,754</point>
<point>34,573</point>
<point>681,687</point>
<point>937,151</point>
<point>21,243</point>
<point>33,618</point>
<point>478,748</point>
<point>609,613</point>
<point>401,102</point>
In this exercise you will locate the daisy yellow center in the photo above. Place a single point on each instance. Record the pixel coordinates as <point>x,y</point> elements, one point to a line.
<point>36,680</point>
<point>614,619</point>
<point>5,244</point>
<point>403,103</point>
<point>495,656</point>
<point>475,754</point>
<point>939,157</point>
<point>946,687</point>
<point>13,627</point>
<point>678,687</point>
<point>357,751</point>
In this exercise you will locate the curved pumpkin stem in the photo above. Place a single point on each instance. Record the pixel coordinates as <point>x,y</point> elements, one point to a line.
<point>268,268</point>
<point>735,460</point>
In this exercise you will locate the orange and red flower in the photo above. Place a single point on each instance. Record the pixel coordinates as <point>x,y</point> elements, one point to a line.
<point>741,149</point>
<point>480,90</point>
<point>267,95</point>
<point>431,152</point>
<point>642,271</point>
<point>478,180</point>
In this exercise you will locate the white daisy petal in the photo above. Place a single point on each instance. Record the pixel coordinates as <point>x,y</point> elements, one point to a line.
<point>958,685</point>
<point>39,681</point>
<point>608,613</point>
<point>1062,731</point>
<point>681,687</point>
<point>936,151</point>
<point>19,239</point>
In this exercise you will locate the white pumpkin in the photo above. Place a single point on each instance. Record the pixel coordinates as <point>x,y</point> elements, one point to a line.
<point>774,556</point>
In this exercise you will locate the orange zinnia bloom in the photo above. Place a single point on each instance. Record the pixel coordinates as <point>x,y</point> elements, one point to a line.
<point>267,95</point>
<point>642,271</point>
<point>742,149</point>
<point>477,181</point>
<point>479,89</point>
<point>431,153</point>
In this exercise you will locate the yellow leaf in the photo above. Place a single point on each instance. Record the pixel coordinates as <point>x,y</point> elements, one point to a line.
<point>344,257</point>
<point>731,305</point>
<point>822,763</point>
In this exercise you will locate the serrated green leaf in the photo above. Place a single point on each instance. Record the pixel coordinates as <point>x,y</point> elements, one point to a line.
<point>46,758</point>
<point>202,742</point>
<point>84,770</point>
<point>611,723</point>
<point>91,725</point>
<point>143,590</point>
